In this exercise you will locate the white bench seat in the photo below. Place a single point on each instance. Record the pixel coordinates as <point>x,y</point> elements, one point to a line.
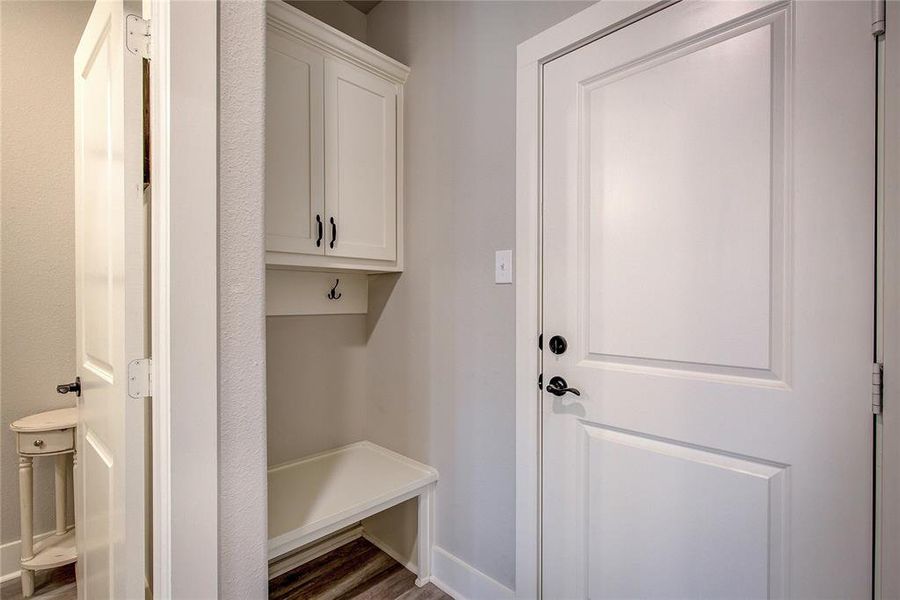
<point>318,495</point>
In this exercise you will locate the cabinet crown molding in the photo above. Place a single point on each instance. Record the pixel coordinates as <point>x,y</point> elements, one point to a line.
<point>293,22</point>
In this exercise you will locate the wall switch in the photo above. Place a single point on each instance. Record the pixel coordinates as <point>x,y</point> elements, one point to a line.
<point>503,266</point>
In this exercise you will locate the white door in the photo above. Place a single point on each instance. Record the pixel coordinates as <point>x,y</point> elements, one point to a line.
<point>708,190</point>
<point>110,307</point>
<point>361,163</point>
<point>295,154</point>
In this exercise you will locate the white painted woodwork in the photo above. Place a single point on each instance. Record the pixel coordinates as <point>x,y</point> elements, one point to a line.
<point>110,311</point>
<point>194,177</point>
<point>887,551</point>
<point>318,495</point>
<point>50,433</point>
<point>291,292</point>
<point>361,162</point>
<point>295,154</point>
<point>708,254</point>
<point>334,111</point>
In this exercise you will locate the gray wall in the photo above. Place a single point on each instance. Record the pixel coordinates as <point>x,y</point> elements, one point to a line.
<point>37,327</point>
<point>441,357</point>
<point>316,383</point>
<point>336,13</point>
<point>242,362</point>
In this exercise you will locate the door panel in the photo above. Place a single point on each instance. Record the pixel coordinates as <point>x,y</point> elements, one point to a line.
<point>708,255</point>
<point>636,496</point>
<point>110,314</point>
<point>688,169</point>
<point>295,168</point>
<point>361,165</point>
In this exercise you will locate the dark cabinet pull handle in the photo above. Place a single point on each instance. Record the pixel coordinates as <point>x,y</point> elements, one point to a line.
<point>320,228</point>
<point>333,231</point>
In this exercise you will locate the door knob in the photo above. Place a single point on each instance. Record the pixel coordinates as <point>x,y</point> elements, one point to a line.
<point>558,344</point>
<point>65,388</point>
<point>558,387</point>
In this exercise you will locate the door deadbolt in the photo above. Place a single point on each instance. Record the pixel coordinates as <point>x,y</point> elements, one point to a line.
<point>558,344</point>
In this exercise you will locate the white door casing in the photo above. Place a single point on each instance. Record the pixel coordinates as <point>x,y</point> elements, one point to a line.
<point>708,185</point>
<point>110,307</point>
<point>360,163</point>
<point>295,168</point>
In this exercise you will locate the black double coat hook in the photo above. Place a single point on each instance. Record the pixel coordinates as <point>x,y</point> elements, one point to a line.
<point>333,295</point>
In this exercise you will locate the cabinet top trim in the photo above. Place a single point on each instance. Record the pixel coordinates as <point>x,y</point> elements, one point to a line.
<point>294,22</point>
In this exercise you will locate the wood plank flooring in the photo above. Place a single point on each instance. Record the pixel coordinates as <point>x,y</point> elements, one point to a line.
<point>355,571</point>
<point>52,584</point>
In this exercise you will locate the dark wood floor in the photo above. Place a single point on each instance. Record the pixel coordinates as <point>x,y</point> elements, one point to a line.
<point>53,584</point>
<point>355,571</point>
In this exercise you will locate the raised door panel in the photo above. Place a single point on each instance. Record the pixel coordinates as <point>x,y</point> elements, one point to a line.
<point>361,163</point>
<point>295,193</point>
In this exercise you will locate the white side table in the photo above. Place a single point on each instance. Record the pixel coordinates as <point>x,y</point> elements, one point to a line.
<point>46,434</point>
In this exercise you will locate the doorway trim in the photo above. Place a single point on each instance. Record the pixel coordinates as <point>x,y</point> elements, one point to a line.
<point>887,474</point>
<point>599,20</point>
<point>184,296</point>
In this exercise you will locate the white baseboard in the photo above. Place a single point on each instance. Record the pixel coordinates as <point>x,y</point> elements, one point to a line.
<point>463,581</point>
<point>10,553</point>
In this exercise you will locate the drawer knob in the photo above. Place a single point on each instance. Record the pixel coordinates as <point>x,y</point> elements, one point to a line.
<point>38,443</point>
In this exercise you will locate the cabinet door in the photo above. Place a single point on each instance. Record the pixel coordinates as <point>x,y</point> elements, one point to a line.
<point>295,190</point>
<point>361,163</point>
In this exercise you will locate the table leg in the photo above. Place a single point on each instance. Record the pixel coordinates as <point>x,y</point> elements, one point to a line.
<point>424,535</point>
<point>61,489</point>
<point>26,508</point>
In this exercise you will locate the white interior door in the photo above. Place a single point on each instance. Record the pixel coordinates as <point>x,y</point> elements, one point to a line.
<point>110,307</point>
<point>708,190</point>
<point>361,163</point>
<point>295,152</point>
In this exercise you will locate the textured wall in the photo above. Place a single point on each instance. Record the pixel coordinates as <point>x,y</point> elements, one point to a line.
<point>242,361</point>
<point>441,357</point>
<point>37,289</point>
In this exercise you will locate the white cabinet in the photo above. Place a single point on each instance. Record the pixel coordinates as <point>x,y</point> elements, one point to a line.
<point>295,146</point>
<point>334,111</point>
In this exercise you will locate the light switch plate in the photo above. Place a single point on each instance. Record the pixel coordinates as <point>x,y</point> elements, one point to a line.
<point>503,266</point>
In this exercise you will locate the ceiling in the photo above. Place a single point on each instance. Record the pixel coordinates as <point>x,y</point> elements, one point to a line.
<point>363,5</point>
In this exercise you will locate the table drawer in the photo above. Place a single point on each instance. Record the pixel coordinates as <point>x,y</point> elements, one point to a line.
<point>46,442</point>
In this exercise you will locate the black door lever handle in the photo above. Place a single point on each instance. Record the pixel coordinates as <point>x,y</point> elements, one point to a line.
<point>558,387</point>
<point>65,388</point>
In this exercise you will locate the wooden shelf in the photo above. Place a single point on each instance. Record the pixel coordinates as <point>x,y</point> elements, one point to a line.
<point>52,551</point>
<point>320,494</point>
